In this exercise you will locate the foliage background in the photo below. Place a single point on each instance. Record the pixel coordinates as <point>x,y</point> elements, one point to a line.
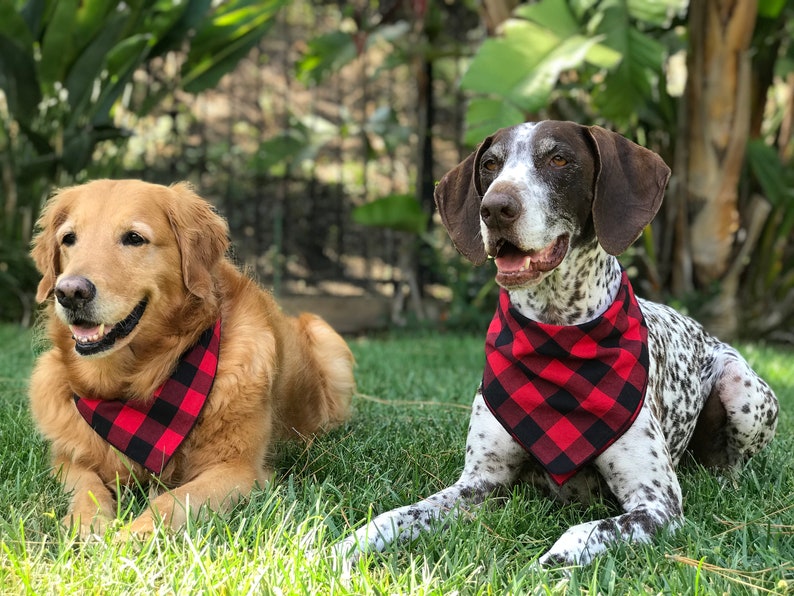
<point>320,127</point>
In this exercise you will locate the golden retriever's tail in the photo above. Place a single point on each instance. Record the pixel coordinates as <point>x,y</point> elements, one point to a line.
<point>323,385</point>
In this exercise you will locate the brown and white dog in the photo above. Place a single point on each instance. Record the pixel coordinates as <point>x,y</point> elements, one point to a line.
<point>141,298</point>
<point>553,203</point>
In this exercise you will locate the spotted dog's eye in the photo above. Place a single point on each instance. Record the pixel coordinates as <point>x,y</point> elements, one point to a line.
<point>558,161</point>
<point>490,165</point>
<point>133,239</point>
<point>69,239</point>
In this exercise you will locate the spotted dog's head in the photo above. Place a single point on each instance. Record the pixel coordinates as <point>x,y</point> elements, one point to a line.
<point>532,192</point>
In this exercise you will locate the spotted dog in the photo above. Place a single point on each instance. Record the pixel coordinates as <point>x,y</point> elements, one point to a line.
<point>553,203</point>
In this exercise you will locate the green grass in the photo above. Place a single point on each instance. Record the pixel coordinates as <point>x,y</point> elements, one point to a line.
<point>405,442</point>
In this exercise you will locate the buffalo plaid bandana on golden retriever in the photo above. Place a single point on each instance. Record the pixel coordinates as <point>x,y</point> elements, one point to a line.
<point>567,393</point>
<point>149,432</point>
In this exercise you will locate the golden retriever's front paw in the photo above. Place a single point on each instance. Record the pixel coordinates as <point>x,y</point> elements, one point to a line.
<point>88,527</point>
<point>140,528</point>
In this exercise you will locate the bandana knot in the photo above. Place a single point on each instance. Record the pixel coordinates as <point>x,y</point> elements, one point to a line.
<point>150,431</point>
<point>566,393</point>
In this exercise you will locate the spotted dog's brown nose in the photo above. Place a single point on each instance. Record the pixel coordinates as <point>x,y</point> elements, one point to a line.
<point>500,210</point>
<point>74,292</point>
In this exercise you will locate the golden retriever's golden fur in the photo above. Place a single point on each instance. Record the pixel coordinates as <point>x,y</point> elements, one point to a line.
<point>277,376</point>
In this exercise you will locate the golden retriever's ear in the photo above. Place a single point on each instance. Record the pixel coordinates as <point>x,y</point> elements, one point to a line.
<point>44,249</point>
<point>202,236</point>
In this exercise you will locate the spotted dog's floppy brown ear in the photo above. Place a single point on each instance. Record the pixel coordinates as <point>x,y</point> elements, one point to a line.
<point>202,235</point>
<point>629,188</point>
<point>458,196</point>
<point>44,249</point>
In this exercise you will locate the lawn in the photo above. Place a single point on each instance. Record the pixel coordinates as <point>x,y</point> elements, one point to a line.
<point>405,441</point>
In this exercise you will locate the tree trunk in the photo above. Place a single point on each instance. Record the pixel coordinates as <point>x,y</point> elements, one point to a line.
<point>496,12</point>
<point>715,132</point>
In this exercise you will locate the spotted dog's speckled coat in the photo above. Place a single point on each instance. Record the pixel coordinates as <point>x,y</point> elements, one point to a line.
<point>553,202</point>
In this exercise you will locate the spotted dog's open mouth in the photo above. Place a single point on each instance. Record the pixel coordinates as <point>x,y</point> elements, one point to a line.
<point>517,267</point>
<point>91,337</point>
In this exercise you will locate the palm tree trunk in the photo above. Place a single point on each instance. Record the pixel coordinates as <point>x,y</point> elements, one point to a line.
<point>715,132</point>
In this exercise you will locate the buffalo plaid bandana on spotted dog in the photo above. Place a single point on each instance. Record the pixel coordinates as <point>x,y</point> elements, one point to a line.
<point>567,393</point>
<point>149,432</point>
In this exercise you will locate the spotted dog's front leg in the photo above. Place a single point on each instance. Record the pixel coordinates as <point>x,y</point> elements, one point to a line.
<point>639,472</point>
<point>493,460</point>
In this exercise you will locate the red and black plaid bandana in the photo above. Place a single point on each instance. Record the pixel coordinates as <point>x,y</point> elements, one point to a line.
<point>149,432</point>
<point>567,393</point>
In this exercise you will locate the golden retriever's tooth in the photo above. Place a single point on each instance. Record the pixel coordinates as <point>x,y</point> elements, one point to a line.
<point>101,332</point>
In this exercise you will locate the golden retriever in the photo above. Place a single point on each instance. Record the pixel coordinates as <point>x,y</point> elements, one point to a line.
<point>133,273</point>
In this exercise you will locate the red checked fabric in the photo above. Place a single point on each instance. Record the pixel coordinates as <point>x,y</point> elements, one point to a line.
<point>149,432</point>
<point>567,393</point>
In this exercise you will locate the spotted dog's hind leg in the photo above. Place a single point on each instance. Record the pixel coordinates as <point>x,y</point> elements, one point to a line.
<point>639,472</point>
<point>740,414</point>
<point>493,460</point>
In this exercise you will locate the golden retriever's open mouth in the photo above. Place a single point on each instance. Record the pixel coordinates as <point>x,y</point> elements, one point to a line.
<point>91,338</point>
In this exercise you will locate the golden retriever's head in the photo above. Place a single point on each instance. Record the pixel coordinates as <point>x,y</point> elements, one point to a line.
<point>113,251</point>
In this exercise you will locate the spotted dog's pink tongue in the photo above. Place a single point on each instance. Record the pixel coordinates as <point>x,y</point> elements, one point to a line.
<point>512,260</point>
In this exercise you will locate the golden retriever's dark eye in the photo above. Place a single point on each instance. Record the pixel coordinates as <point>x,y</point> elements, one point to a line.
<point>69,239</point>
<point>133,239</point>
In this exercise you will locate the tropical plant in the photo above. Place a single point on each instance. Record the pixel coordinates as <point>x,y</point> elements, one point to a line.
<point>419,36</point>
<point>620,64</point>
<point>575,59</point>
<point>65,67</point>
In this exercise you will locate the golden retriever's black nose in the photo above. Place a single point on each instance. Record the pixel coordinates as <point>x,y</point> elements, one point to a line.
<point>74,292</point>
<point>499,210</point>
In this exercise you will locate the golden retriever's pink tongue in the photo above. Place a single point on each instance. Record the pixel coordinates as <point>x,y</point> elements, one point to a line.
<point>88,334</point>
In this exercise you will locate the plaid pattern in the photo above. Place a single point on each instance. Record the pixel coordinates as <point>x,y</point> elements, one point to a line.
<point>567,393</point>
<point>150,431</point>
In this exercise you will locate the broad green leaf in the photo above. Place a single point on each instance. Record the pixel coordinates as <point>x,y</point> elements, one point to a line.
<point>770,173</point>
<point>397,212</point>
<point>58,42</point>
<point>35,13</point>
<point>629,86</point>
<point>234,29</point>
<point>18,80</point>
<point>326,54</point>
<point>72,28</point>
<point>484,116</point>
<point>279,150</point>
<point>122,61</point>
<point>525,64</point>
<point>89,64</point>
<point>656,12</point>
<point>14,27</point>
<point>127,54</point>
<point>533,93</point>
<point>771,9</point>
<point>172,23</point>
<point>554,15</point>
<point>92,18</point>
<point>603,56</point>
<point>502,64</point>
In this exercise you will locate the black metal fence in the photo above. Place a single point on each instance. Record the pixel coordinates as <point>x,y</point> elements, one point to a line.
<point>287,161</point>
